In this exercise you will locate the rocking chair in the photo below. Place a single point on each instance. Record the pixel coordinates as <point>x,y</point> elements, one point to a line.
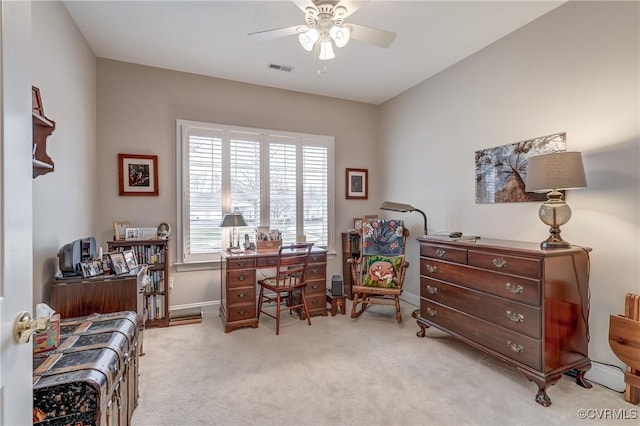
<point>378,274</point>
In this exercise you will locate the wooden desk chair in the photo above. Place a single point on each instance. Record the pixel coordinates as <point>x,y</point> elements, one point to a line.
<point>290,275</point>
<point>378,274</point>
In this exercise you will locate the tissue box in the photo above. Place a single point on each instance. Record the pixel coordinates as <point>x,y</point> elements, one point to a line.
<point>49,339</point>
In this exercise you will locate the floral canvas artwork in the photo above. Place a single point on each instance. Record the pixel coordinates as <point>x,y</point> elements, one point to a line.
<point>501,172</point>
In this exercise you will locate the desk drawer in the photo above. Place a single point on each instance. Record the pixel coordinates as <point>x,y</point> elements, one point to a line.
<point>316,287</point>
<point>241,278</point>
<point>241,263</point>
<point>241,295</point>
<point>512,315</point>
<point>513,345</point>
<point>242,311</point>
<point>265,262</point>
<point>525,267</point>
<point>318,258</point>
<point>316,271</point>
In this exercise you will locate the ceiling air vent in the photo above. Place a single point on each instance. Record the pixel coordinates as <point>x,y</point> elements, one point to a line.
<point>285,68</point>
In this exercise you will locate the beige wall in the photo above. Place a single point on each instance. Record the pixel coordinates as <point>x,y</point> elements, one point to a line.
<point>64,201</point>
<point>137,111</point>
<point>575,70</point>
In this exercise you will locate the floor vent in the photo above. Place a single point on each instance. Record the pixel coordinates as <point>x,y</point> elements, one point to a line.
<point>285,68</point>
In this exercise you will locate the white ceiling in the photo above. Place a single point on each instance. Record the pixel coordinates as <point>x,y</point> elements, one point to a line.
<point>210,38</point>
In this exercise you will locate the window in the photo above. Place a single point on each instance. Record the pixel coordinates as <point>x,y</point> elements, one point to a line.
<point>281,180</point>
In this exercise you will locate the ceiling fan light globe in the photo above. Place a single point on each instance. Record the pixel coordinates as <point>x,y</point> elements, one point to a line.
<point>340,35</point>
<point>308,39</point>
<point>326,51</point>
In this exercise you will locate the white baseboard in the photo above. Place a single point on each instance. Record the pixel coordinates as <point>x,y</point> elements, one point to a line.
<point>603,375</point>
<point>206,306</point>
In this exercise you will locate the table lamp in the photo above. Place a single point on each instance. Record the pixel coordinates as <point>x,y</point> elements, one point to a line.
<point>232,220</point>
<point>551,173</point>
<point>399,207</point>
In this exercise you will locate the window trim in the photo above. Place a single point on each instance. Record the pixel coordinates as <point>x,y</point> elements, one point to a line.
<point>182,144</point>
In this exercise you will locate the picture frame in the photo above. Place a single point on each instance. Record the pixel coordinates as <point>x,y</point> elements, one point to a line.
<point>119,230</point>
<point>132,234</point>
<point>118,263</point>
<point>357,184</point>
<point>369,217</point>
<point>130,259</point>
<point>357,223</point>
<point>91,268</point>
<point>138,174</point>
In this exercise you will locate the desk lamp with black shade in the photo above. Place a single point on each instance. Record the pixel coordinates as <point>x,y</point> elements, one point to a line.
<point>233,220</point>
<point>551,173</point>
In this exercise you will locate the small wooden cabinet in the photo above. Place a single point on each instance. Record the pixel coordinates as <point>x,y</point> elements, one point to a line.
<point>154,254</point>
<point>526,306</point>
<point>79,297</point>
<point>350,250</point>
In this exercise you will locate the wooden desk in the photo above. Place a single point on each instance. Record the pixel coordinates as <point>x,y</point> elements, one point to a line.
<point>238,307</point>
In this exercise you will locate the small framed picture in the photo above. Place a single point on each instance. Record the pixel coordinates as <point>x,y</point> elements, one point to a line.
<point>357,223</point>
<point>130,258</point>
<point>370,217</point>
<point>357,184</point>
<point>132,234</point>
<point>138,174</point>
<point>119,229</point>
<point>118,264</point>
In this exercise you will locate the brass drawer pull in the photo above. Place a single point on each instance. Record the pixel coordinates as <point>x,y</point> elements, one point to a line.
<point>314,270</point>
<point>432,312</point>
<point>314,302</point>
<point>499,262</point>
<point>242,312</point>
<point>432,268</point>
<point>515,347</point>
<point>241,295</point>
<point>241,278</point>
<point>441,253</point>
<point>241,263</point>
<point>431,289</point>
<point>314,286</point>
<point>514,288</point>
<point>515,317</point>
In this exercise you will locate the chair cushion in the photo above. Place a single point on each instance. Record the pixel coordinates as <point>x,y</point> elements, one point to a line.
<point>383,237</point>
<point>382,271</point>
<point>273,282</point>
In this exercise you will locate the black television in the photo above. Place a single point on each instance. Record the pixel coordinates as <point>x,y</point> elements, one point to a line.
<point>70,255</point>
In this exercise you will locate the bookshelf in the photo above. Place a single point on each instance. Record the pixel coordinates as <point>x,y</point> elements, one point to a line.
<point>350,249</point>
<point>155,254</point>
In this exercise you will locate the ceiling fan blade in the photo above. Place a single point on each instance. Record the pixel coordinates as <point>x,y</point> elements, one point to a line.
<point>303,4</point>
<point>351,5</point>
<point>275,33</point>
<point>370,35</point>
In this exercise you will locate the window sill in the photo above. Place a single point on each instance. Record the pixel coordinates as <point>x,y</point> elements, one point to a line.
<point>198,266</point>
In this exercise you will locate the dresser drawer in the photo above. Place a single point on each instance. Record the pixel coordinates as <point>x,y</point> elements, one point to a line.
<point>265,262</point>
<point>513,345</point>
<point>525,267</point>
<point>241,278</point>
<point>316,287</point>
<point>316,301</point>
<point>318,258</point>
<point>241,263</point>
<point>316,271</point>
<point>512,315</point>
<point>242,311</point>
<point>519,289</point>
<point>451,254</point>
<point>241,295</point>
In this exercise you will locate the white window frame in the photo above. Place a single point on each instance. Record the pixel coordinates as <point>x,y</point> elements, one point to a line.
<point>182,181</point>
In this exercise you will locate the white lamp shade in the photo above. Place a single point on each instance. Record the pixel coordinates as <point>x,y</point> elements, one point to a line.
<point>326,50</point>
<point>308,39</point>
<point>340,35</point>
<point>559,170</point>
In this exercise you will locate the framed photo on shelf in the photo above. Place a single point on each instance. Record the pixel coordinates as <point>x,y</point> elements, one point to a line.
<point>119,229</point>
<point>131,234</point>
<point>369,217</point>
<point>130,259</point>
<point>357,184</point>
<point>138,174</point>
<point>118,263</point>
<point>357,223</point>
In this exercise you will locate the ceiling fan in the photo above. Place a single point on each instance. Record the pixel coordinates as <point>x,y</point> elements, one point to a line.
<point>325,25</point>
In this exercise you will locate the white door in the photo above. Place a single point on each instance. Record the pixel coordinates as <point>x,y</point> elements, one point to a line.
<point>16,227</point>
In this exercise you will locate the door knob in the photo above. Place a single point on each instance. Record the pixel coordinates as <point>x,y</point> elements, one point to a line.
<point>25,326</point>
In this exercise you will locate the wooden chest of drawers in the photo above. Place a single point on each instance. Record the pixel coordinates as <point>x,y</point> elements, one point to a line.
<point>526,306</point>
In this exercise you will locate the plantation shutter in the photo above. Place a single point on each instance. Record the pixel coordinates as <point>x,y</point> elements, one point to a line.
<point>283,193</point>
<point>315,193</point>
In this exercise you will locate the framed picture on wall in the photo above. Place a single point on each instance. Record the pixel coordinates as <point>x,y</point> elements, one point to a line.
<point>138,174</point>
<point>357,184</point>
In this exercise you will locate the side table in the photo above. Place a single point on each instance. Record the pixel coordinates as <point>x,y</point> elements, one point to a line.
<point>337,302</point>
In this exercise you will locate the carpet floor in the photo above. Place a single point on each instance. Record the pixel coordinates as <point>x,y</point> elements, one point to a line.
<point>343,371</point>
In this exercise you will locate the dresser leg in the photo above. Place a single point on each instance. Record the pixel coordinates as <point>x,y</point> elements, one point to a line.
<point>580,379</point>
<point>541,397</point>
<point>423,329</point>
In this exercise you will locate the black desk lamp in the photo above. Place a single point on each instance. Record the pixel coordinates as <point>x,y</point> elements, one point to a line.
<point>399,207</point>
<point>233,220</point>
